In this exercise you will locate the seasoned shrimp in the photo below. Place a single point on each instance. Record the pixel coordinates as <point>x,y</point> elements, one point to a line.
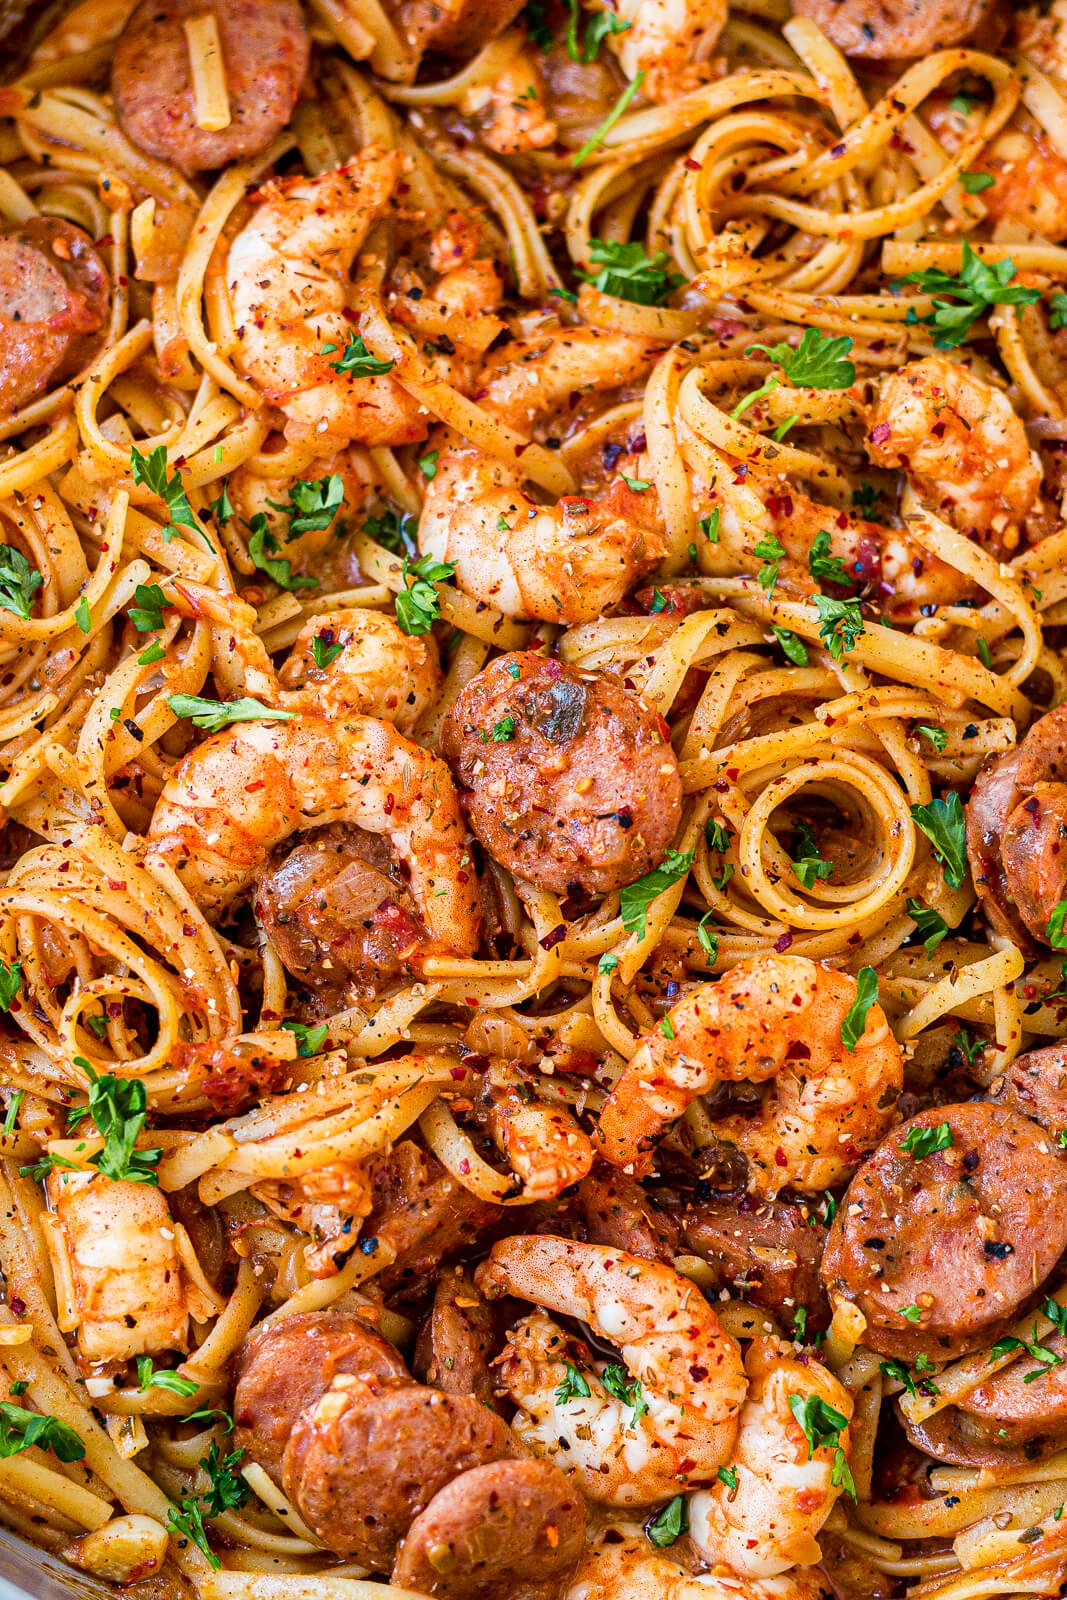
<point>564,563</point>
<point>1029,176</point>
<point>293,304</point>
<point>669,1420</point>
<point>961,444</point>
<point>510,111</point>
<point>773,1019</point>
<point>285,502</point>
<point>371,666</point>
<point>767,1521</point>
<point>621,1565</point>
<point>667,40</point>
<point>126,1274</point>
<point>246,789</point>
<point>543,1144</point>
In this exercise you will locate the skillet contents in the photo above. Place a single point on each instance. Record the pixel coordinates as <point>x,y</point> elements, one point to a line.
<point>533,798</point>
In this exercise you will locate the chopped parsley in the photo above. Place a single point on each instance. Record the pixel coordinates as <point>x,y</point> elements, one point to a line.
<point>943,823</point>
<point>417,605</point>
<point>840,624</point>
<point>279,569</point>
<point>920,1142</point>
<point>668,1526</point>
<point>149,1377</point>
<point>119,1107</point>
<point>635,898</point>
<point>19,581</point>
<point>312,504</point>
<point>855,1022</point>
<point>960,301</point>
<point>215,714</point>
<point>20,1429</point>
<point>151,470</point>
<point>629,274</point>
<point>356,360</point>
<point>573,1385</point>
<point>930,925</point>
<point>808,865</point>
<point>309,1039</point>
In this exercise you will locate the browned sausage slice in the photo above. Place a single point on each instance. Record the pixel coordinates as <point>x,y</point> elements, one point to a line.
<point>455,1341</point>
<point>898,30</point>
<point>941,1251</point>
<point>265,49</point>
<point>572,783</point>
<point>619,1213</point>
<point>1036,1085</point>
<point>54,296</point>
<point>284,1367</point>
<point>769,1250</point>
<point>1021,1411</point>
<point>1017,831</point>
<point>372,1453</point>
<point>498,1530</point>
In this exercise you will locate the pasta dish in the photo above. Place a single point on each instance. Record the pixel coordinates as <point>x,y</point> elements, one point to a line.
<point>533,790</point>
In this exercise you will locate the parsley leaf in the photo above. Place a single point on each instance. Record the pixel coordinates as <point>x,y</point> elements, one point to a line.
<point>417,605</point>
<point>709,526</point>
<point>119,1107</point>
<point>635,898</point>
<point>821,1423</point>
<point>83,616</point>
<point>312,504</point>
<point>573,1385</point>
<point>11,1115</point>
<point>770,552</point>
<point>309,1040</point>
<point>19,1429</point>
<point>261,546</point>
<point>19,581</point>
<point>227,1490</point>
<point>148,1377</point>
<point>632,88</point>
<point>534,18</point>
<point>394,531</point>
<point>855,1021</point>
<point>929,924</point>
<point>147,614</point>
<point>151,470</point>
<point>666,1528</point>
<point>216,714</point>
<point>795,649</point>
<point>935,733</point>
<point>708,938</point>
<point>599,26</point>
<point>10,983</point>
<point>920,1142</point>
<point>840,624</point>
<point>1056,933</point>
<point>943,824</point>
<point>979,286</point>
<point>356,359</point>
<point>976,182</point>
<point>629,274</point>
<point>221,509</point>
<point>621,1386</point>
<point>323,652</point>
<point>1057,311</point>
<point>807,863</point>
<point>817,362</point>
<point>186,1521</point>
<point>824,567</point>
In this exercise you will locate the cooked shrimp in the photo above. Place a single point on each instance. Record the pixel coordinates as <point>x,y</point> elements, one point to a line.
<point>569,562</point>
<point>773,1019</point>
<point>246,789</point>
<point>963,447</point>
<point>681,1394</point>
<point>282,500</point>
<point>667,40</point>
<point>621,1565</point>
<point>767,1521</point>
<point>544,1144</point>
<point>510,111</point>
<point>377,669</point>
<point>294,306</point>
<point>564,563</point>
<point>122,1267</point>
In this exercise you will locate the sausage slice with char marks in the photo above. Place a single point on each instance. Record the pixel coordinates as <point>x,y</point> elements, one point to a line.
<point>54,295</point>
<point>1020,1412</point>
<point>284,1367</point>
<point>940,1252</point>
<point>507,1528</point>
<point>371,1454</point>
<point>1036,1085</point>
<point>572,783</point>
<point>265,51</point>
<point>452,1352</point>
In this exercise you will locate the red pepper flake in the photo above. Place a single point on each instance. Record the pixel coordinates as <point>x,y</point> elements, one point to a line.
<point>691,166</point>
<point>552,939</point>
<point>779,1157</point>
<point>465,1166</point>
<point>782,943</point>
<point>390,802</point>
<point>733,773</point>
<point>253,788</point>
<point>881,433</point>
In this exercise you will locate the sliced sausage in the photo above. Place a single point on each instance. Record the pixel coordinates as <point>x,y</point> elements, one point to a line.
<point>504,1529</point>
<point>619,1213</point>
<point>455,1341</point>
<point>941,1251</point>
<point>455,26</point>
<point>1036,1085</point>
<point>898,30</point>
<point>1017,831</point>
<point>768,1250</point>
<point>265,51</point>
<point>54,295</point>
<point>572,782</point>
<point>1019,1412</point>
<point>337,911</point>
<point>371,1454</point>
<point>284,1367</point>
<point>426,1216</point>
